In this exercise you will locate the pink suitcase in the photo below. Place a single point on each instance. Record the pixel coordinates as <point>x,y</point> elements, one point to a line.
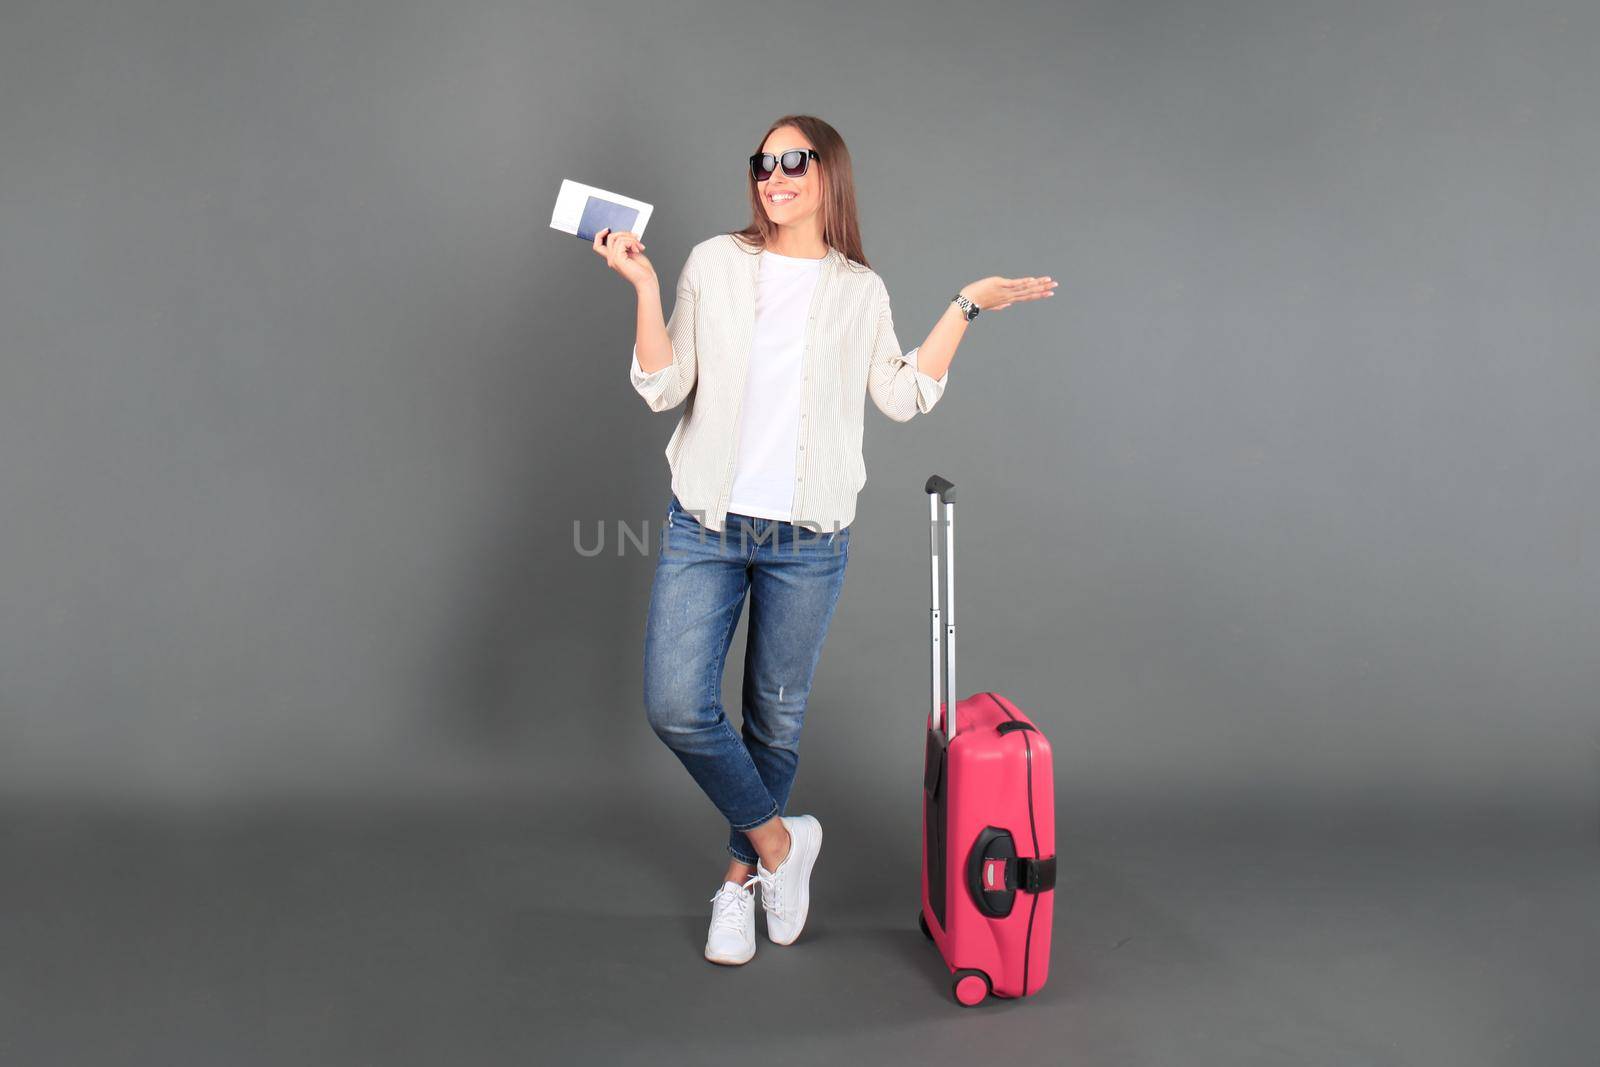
<point>988,819</point>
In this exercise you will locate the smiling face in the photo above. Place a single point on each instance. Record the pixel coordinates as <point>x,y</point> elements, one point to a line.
<point>790,201</point>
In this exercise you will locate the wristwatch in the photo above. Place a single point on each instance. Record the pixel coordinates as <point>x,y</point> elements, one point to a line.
<point>968,308</point>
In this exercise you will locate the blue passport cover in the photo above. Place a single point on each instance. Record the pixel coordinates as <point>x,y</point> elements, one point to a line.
<point>599,214</point>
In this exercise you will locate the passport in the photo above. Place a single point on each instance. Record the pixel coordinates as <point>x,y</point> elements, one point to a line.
<point>585,210</point>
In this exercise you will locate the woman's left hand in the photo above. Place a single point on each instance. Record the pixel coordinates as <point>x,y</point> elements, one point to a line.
<point>993,294</point>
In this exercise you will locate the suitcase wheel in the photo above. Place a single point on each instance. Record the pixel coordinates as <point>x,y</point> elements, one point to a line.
<point>969,987</point>
<point>922,921</point>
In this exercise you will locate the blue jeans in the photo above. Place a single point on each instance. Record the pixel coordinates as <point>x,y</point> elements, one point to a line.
<point>793,576</point>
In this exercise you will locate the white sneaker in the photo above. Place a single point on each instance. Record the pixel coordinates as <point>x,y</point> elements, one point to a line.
<point>732,938</point>
<point>786,892</point>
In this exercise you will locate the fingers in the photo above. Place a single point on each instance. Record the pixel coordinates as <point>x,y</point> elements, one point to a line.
<point>606,238</point>
<point>1027,285</point>
<point>616,245</point>
<point>1008,291</point>
<point>1035,288</point>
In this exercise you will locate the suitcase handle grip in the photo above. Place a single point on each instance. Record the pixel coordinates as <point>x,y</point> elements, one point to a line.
<point>943,486</point>
<point>943,624</point>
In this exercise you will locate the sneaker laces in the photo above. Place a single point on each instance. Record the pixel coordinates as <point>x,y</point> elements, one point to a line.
<point>731,904</point>
<point>771,897</point>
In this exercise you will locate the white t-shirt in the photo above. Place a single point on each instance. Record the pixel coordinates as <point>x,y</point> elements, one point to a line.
<point>769,422</point>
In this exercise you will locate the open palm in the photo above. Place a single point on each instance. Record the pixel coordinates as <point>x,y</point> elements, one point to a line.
<point>997,293</point>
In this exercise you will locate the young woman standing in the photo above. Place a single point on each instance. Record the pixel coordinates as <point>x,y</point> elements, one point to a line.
<point>778,333</point>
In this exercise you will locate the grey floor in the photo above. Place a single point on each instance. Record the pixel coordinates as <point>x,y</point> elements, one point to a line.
<point>479,933</point>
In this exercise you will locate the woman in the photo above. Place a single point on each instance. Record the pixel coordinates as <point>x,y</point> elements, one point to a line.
<point>778,333</point>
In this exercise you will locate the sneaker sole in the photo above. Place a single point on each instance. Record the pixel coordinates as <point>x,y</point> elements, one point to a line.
<point>729,961</point>
<point>805,892</point>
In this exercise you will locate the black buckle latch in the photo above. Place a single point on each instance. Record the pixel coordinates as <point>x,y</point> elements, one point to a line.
<point>1033,876</point>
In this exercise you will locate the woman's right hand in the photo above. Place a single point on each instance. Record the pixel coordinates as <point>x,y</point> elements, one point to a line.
<point>624,253</point>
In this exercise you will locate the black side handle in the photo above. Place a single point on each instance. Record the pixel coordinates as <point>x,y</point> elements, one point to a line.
<point>945,488</point>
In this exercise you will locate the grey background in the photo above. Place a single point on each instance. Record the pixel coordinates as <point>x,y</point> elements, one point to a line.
<point>1281,514</point>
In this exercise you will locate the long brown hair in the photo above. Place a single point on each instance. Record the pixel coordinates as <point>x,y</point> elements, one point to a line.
<point>840,229</point>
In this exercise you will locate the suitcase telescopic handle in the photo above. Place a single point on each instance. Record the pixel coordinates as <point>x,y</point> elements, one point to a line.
<point>943,491</point>
<point>945,488</point>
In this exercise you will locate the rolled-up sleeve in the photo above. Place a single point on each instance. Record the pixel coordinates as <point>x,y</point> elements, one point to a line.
<point>898,387</point>
<point>667,387</point>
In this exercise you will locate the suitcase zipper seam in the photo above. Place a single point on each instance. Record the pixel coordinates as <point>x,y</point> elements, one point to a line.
<point>1033,829</point>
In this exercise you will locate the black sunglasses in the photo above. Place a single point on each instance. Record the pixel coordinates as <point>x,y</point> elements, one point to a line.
<point>795,162</point>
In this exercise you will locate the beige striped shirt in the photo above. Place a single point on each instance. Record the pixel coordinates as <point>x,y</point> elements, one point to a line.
<point>850,352</point>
